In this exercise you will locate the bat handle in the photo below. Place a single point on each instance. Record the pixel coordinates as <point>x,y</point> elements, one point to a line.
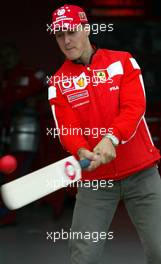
<point>84,163</point>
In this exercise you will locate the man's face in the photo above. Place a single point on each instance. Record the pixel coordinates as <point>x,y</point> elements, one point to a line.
<point>73,43</point>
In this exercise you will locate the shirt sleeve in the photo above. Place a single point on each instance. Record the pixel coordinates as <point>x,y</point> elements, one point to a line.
<point>132,102</point>
<point>68,125</point>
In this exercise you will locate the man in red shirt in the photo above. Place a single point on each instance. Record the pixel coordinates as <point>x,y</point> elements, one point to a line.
<point>98,102</point>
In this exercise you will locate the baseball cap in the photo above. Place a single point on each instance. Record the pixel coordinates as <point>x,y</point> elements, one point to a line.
<point>68,16</point>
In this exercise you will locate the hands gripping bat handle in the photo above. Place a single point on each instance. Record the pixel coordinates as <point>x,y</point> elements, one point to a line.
<point>84,163</point>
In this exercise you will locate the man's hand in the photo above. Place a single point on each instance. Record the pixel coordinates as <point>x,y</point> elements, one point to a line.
<point>95,159</point>
<point>106,150</point>
<point>103,153</point>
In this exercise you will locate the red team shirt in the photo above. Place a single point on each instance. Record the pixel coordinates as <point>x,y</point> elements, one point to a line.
<point>106,96</point>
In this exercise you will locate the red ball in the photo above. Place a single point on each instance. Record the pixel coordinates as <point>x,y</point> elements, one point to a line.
<point>8,164</point>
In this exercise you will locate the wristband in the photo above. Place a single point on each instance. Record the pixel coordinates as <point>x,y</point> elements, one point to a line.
<point>113,139</point>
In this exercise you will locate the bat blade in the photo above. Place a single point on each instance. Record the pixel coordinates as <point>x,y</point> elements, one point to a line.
<point>40,183</point>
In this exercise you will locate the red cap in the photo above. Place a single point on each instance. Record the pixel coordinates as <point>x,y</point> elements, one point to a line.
<point>68,16</point>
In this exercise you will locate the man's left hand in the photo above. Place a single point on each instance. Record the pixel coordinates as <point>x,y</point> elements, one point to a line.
<point>106,150</point>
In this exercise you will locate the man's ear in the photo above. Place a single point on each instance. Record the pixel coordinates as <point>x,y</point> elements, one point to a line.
<point>87,29</point>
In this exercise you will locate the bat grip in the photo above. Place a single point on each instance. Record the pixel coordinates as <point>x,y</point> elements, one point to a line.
<point>84,163</point>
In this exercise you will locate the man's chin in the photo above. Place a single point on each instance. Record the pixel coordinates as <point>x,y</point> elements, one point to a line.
<point>72,57</point>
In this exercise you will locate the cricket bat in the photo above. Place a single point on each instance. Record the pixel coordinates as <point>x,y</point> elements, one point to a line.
<point>42,182</point>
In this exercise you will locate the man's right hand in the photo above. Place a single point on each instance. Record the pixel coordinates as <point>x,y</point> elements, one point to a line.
<point>95,158</point>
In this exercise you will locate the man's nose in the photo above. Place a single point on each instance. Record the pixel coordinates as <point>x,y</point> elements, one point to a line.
<point>67,39</point>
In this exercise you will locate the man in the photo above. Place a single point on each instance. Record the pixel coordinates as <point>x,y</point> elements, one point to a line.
<point>103,89</point>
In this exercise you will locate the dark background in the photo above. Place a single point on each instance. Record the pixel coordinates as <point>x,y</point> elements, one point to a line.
<point>23,23</point>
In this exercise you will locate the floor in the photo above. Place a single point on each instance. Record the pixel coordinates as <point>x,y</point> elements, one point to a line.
<point>27,243</point>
